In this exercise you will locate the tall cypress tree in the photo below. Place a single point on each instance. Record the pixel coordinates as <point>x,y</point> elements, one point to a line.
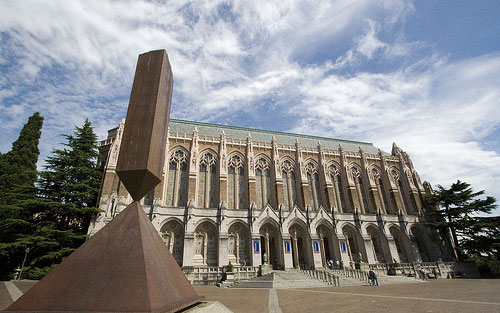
<point>18,175</point>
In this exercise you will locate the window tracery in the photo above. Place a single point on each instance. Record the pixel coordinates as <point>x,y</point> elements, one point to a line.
<point>205,245</point>
<point>360,188</point>
<point>314,185</point>
<point>172,234</point>
<point>236,193</point>
<point>207,181</point>
<point>339,198</point>
<point>177,179</point>
<point>262,182</point>
<point>396,178</point>
<point>289,183</point>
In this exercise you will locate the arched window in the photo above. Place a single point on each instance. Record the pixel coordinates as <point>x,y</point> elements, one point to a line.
<point>338,197</point>
<point>236,183</point>
<point>173,236</point>
<point>289,184</point>
<point>205,245</point>
<point>399,185</point>
<point>314,185</point>
<point>262,182</point>
<point>207,181</point>
<point>375,174</point>
<point>238,245</point>
<point>360,189</point>
<point>177,179</point>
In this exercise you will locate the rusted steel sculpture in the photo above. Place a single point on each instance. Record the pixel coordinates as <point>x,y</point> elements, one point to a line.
<point>126,266</point>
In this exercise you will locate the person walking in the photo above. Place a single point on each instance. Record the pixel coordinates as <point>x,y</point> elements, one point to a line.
<point>373,278</point>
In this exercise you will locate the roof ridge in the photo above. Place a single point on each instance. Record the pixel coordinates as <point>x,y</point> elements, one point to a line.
<point>268,131</point>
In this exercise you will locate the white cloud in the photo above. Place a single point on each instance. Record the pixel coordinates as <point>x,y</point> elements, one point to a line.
<point>369,43</point>
<point>72,60</point>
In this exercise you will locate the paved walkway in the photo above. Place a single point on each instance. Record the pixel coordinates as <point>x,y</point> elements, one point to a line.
<point>457,295</point>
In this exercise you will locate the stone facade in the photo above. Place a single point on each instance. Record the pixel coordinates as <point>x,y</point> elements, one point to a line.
<point>248,196</point>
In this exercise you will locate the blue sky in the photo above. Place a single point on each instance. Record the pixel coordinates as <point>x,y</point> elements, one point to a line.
<point>423,74</point>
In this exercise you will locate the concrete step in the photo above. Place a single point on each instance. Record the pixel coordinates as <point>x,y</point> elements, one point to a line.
<point>280,279</point>
<point>385,279</point>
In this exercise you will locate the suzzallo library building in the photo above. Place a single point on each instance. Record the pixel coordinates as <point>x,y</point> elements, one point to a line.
<point>245,196</point>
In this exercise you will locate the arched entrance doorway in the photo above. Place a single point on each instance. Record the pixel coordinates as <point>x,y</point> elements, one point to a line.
<point>380,247</point>
<point>172,234</point>
<point>205,244</point>
<point>270,237</point>
<point>403,245</point>
<point>238,245</point>
<point>354,247</point>
<point>420,240</point>
<point>328,244</point>
<point>301,246</point>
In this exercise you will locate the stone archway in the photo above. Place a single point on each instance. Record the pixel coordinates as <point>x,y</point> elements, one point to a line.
<point>380,247</point>
<point>172,234</point>
<point>270,237</point>
<point>238,246</point>
<point>328,244</point>
<point>403,245</point>
<point>301,246</point>
<point>205,244</point>
<point>421,244</point>
<point>354,245</point>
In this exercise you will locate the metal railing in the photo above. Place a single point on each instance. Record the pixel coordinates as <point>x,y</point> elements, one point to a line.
<point>321,275</point>
<point>352,273</point>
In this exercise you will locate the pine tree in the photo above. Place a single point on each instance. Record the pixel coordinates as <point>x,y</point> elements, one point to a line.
<point>68,190</point>
<point>18,175</point>
<point>481,242</point>
<point>459,206</point>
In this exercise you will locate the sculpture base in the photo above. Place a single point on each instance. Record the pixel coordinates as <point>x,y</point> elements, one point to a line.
<point>125,267</point>
<point>208,307</point>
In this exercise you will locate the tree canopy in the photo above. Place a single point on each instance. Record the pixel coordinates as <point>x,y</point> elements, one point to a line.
<point>463,214</point>
<point>18,175</point>
<point>56,214</point>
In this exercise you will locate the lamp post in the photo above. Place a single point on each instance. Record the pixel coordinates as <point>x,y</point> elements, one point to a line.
<point>27,250</point>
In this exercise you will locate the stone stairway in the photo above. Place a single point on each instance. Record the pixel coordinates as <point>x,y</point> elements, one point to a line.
<point>386,279</point>
<point>280,279</point>
<point>297,279</point>
<point>350,281</point>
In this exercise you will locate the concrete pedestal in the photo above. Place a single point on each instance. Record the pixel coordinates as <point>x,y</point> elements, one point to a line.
<point>266,269</point>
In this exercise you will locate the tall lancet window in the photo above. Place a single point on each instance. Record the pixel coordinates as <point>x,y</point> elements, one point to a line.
<point>360,189</point>
<point>177,179</point>
<point>338,197</point>
<point>207,181</point>
<point>375,174</point>
<point>236,183</point>
<point>314,185</point>
<point>289,184</point>
<point>262,182</point>
<point>399,185</point>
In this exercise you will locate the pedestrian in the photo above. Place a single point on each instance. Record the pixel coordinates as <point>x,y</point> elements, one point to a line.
<point>337,263</point>
<point>341,264</point>
<point>373,278</point>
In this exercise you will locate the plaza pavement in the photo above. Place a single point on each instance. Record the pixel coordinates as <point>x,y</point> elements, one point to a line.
<point>457,295</point>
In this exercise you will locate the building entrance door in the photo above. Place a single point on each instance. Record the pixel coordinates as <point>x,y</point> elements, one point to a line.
<point>271,246</point>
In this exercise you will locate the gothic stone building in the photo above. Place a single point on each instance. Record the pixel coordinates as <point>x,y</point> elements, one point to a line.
<point>232,194</point>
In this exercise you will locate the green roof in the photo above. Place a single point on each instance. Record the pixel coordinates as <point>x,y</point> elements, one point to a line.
<point>236,132</point>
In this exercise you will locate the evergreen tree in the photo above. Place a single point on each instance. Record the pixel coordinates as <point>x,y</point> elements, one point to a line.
<point>18,175</point>
<point>457,213</point>
<point>482,243</point>
<point>68,190</point>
